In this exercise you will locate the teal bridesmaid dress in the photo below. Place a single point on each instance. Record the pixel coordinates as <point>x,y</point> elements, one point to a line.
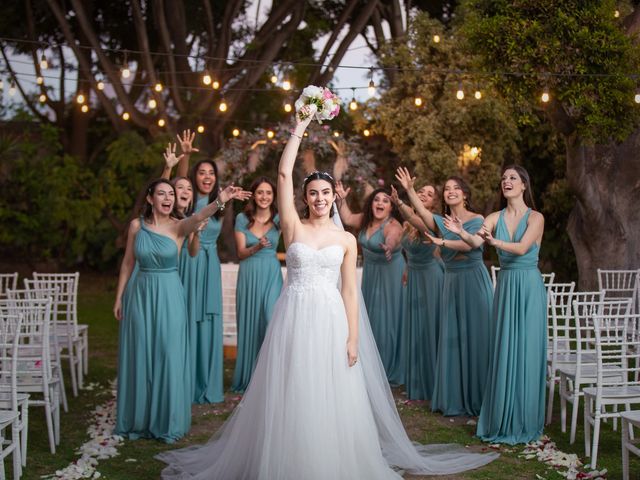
<point>466,328</point>
<point>154,385</point>
<point>513,409</point>
<point>258,288</point>
<point>205,330</point>
<point>422,305</point>
<point>382,293</point>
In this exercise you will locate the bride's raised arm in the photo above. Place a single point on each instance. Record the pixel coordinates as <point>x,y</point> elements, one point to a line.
<point>286,206</point>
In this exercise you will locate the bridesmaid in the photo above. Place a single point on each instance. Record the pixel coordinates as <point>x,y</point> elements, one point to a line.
<point>257,234</point>
<point>513,407</point>
<point>383,267</point>
<point>467,296</point>
<point>206,333</point>
<point>154,384</point>
<point>423,293</point>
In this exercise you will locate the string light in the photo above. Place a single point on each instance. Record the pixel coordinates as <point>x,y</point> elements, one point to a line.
<point>12,88</point>
<point>353,105</point>
<point>201,128</point>
<point>126,116</point>
<point>152,104</point>
<point>436,39</point>
<point>286,85</point>
<point>545,96</point>
<point>39,80</point>
<point>223,106</point>
<point>44,64</point>
<point>287,107</point>
<point>460,92</point>
<point>616,14</point>
<point>270,134</point>
<point>372,86</point>
<point>80,99</point>
<point>274,79</point>
<point>158,87</point>
<point>637,97</point>
<point>366,132</point>
<point>215,84</point>
<point>161,122</point>
<point>206,78</point>
<point>84,108</point>
<point>305,134</point>
<point>100,85</point>
<point>125,72</point>
<point>235,132</point>
<point>477,94</point>
<point>417,101</point>
<point>336,134</point>
<point>42,98</point>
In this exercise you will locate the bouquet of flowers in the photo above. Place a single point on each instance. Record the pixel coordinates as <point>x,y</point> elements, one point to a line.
<point>327,103</point>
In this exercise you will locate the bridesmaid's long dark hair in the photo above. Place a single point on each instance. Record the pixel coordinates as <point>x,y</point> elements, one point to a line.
<point>528,190</point>
<point>216,185</point>
<point>250,208</point>
<point>466,190</point>
<point>147,210</point>
<point>367,210</point>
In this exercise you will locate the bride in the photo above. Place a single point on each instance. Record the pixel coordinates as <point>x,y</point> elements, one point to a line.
<point>318,405</point>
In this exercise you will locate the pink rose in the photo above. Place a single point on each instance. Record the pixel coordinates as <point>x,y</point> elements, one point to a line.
<point>327,94</point>
<point>335,111</point>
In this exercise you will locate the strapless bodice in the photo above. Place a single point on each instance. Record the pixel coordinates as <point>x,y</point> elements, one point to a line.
<point>308,268</point>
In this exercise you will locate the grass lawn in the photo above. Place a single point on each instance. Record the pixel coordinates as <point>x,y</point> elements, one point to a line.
<point>136,457</point>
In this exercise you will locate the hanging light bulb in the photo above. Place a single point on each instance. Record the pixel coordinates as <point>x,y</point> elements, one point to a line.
<point>39,80</point>
<point>80,99</point>
<point>545,96</point>
<point>616,14</point>
<point>460,92</point>
<point>477,94</point>
<point>161,122</point>
<point>42,98</point>
<point>100,85</point>
<point>305,134</point>
<point>270,134</point>
<point>235,132</point>
<point>158,87</point>
<point>371,88</point>
<point>84,108</point>
<point>206,78</point>
<point>200,128</point>
<point>44,64</point>
<point>637,97</point>
<point>274,79</point>
<point>288,107</point>
<point>12,88</point>
<point>215,84</point>
<point>417,101</point>
<point>125,72</point>
<point>366,132</point>
<point>152,104</point>
<point>286,85</point>
<point>223,106</point>
<point>436,39</point>
<point>353,105</point>
<point>336,133</point>
<point>126,116</point>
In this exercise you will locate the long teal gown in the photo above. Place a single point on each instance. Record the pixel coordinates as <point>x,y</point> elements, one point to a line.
<point>422,305</point>
<point>382,293</point>
<point>513,409</point>
<point>258,288</point>
<point>466,328</point>
<point>205,331</point>
<point>154,385</point>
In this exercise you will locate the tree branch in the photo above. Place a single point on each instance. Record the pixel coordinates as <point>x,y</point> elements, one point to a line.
<point>632,23</point>
<point>224,37</point>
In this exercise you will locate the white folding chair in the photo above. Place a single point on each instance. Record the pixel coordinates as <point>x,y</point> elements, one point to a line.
<point>494,275</point>
<point>73,337</point>
<point>573,376</point>
<point>8,281</point>
<point>620,284</point>
<point>548,279</point>
<point>33,291</point>
<point>560,329</point>
<point>615,383</point>
<point>629,419</point>
<point>35,374</point>
<point>11,414</point>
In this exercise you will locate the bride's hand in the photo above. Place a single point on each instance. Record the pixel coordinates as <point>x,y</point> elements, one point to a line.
<point>352,352</point>
<point>304,117</point>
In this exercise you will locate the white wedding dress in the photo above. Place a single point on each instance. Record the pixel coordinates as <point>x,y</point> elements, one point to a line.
<point>306,414</point>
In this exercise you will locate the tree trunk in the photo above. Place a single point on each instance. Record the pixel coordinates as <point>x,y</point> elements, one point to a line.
<point>604,226</point>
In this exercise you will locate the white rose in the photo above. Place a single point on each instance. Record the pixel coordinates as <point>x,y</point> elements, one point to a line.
<point>312,91</point>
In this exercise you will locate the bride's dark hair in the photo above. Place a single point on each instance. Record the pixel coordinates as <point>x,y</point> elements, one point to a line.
<point>317,175</point>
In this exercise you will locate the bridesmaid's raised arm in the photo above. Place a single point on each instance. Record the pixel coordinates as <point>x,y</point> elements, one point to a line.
<point>186,144</point>
<point>286,206</point>
<point>346,215</point>
<point>406,180</point>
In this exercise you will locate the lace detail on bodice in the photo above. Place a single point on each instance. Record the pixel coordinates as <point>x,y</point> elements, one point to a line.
<point>308,268</point>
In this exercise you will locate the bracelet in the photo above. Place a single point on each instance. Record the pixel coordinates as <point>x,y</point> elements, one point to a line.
<point>296,135</point>
<point>220,204</point>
